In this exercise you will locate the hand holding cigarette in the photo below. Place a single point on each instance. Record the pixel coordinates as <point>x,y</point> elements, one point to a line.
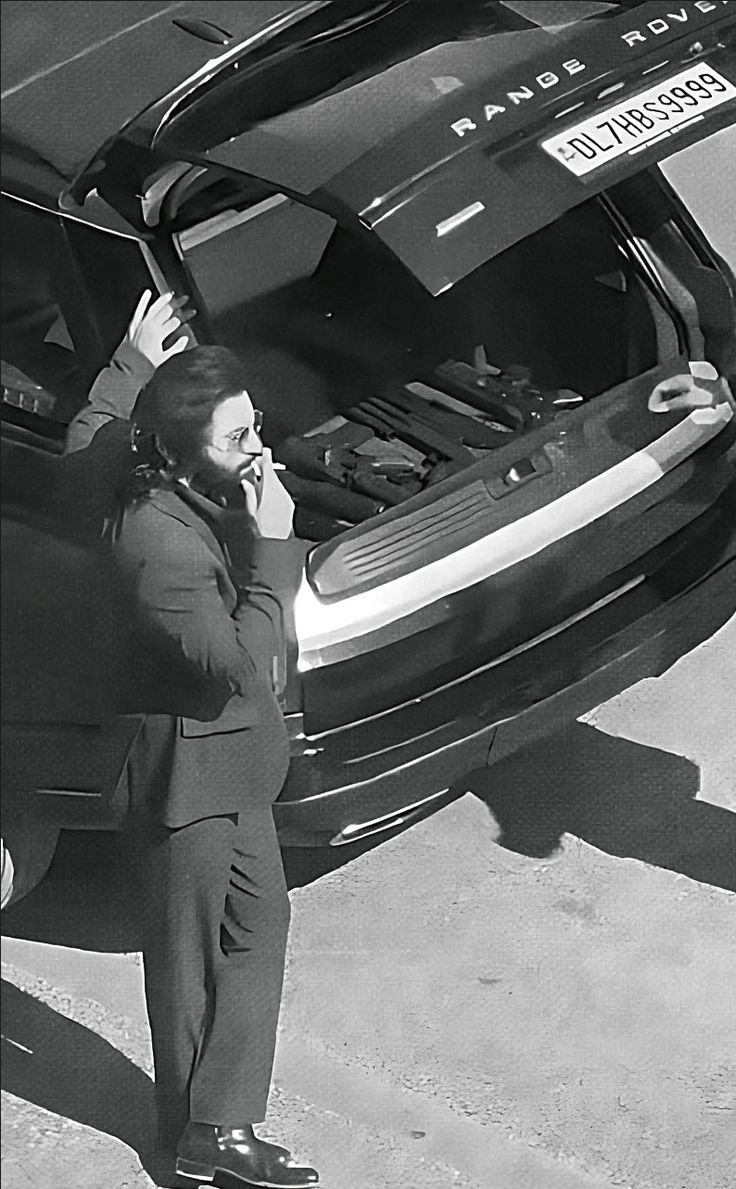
<point>267,500</point>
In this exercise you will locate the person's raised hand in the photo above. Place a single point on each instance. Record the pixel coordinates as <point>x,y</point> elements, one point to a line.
<point>270,506</point>
<point>153,322</point>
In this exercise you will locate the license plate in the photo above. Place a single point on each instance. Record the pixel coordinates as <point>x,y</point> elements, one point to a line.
<point>641,120</point>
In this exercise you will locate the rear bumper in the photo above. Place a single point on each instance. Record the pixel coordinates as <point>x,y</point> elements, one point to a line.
<point>646,649</point>
<point>404,764</point>
<point>365,775</point>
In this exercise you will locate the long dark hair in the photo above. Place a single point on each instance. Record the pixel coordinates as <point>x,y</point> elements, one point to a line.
<point>172,413</point>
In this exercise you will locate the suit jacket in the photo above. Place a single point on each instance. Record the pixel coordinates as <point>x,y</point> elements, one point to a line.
<point>206,626</point>
<point>208,653</point>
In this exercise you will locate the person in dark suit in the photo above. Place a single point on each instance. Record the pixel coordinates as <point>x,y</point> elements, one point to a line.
<point>204,545</point>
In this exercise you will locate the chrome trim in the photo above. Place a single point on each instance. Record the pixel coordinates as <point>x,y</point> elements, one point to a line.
<point>360,830</point>
<point>420,759</point>
<point>456,220</point>
<point>612,89</point>
<point>384,751</point>
<point>64,793</point>
<point>566,111</point>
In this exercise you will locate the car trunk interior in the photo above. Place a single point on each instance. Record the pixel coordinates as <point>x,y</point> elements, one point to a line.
<point>328,321</point>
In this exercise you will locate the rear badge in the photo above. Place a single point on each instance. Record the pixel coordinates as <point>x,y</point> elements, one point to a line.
<point>462,216</point>
<point>642,120</point>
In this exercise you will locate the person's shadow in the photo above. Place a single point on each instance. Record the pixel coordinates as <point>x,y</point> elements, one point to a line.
<point>67,1068</point>
<point>622,797</point>
<point>70,1070</point>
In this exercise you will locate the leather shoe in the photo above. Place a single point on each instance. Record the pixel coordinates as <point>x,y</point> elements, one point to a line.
<point>204,1151</point>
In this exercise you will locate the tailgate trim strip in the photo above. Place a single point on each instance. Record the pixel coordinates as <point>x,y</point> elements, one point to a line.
<point>320,625</point>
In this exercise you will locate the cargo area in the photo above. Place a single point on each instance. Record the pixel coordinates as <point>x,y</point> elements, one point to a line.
<point>376,392</point>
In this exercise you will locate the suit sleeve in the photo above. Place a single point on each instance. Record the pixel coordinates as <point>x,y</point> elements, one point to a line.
<point>267,587</point>
<point>266,573</point>
<point>112,396</point>
<point>175,582</point>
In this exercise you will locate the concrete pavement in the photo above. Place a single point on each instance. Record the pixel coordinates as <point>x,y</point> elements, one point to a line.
<point>457,1013</point>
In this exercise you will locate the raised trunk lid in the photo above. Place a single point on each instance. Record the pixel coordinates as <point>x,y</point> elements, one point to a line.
<point>467,147</point>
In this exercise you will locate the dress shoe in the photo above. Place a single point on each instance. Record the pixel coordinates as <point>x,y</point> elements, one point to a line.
<point>204,1151</point>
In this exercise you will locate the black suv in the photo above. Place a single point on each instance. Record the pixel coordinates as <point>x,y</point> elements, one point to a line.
<point>440,235</point>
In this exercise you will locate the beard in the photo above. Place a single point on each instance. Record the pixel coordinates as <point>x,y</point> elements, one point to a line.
<point>223,482</point>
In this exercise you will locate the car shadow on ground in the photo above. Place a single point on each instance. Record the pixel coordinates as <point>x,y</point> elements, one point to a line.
<point>85,900</point>
<point>624,798</point>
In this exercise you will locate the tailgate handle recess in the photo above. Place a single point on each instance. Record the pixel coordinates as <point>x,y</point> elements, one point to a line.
<point>520,472</point>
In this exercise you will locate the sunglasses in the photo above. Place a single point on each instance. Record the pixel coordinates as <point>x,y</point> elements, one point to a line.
<point>238,440</point>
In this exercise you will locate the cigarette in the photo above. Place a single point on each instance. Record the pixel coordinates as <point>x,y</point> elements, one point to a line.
<point>277,466</point>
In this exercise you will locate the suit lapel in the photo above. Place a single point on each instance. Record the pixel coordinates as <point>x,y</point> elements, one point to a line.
<point>176,505</point>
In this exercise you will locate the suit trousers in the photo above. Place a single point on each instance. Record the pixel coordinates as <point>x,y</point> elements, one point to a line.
<point>216,916</point>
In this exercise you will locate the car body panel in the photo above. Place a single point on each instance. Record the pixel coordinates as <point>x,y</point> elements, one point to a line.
<point>384,721</point>
<point>126,55</point>
<point>523,696</point>
<point>474,151</point>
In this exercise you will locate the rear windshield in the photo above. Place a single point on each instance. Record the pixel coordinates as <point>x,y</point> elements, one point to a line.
<point>385,65</point>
